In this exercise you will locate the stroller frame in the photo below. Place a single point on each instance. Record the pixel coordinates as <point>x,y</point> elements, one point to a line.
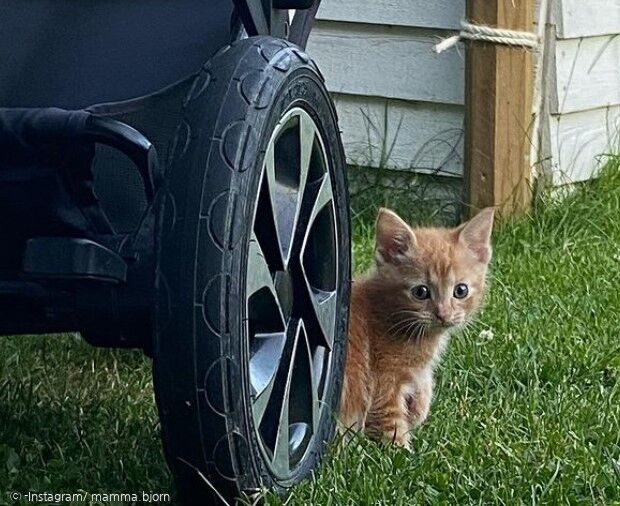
<point>205,222</point>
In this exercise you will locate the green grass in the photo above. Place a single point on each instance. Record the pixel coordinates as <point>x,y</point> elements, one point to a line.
<point>527,412</point>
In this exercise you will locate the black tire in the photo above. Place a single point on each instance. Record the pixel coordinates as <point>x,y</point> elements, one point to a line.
<point>202,369</point>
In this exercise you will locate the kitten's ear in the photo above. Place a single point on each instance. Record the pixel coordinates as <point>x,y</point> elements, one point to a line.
<point>395,239</point>
<point>476,234</point>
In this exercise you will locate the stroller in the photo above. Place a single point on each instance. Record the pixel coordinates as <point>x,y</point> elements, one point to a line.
<point>172,179</point>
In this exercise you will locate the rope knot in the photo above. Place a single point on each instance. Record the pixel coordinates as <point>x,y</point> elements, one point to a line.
<point>470,31</point>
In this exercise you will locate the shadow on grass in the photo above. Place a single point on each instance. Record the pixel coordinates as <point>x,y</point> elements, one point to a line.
<point>77,418</point>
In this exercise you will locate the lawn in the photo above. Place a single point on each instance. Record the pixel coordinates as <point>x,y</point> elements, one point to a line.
<point>527,408</point>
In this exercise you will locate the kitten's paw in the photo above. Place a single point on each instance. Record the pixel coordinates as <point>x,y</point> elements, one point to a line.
<point>400,439</point>
<point>405,444</point>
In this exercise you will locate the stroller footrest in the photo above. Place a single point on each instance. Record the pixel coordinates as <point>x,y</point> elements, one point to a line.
<point>73,259</point>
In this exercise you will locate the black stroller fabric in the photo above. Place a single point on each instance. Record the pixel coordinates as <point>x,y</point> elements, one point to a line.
<point>65,54</point>
<point>53,186</point>
<point>75,53</point>
<point>46,182</point>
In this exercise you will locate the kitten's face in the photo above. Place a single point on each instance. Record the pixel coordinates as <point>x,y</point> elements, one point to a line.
<point>436,276</point>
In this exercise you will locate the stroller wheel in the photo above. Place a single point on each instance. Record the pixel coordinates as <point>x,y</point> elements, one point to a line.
<point>254,277</point>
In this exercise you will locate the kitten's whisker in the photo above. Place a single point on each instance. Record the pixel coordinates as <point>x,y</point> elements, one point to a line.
<point>400,323</point>
<point>399,327</point>
<point>406,327</point>
<point>417,330</point>
<point>411,328</point>
<point>419,333</point>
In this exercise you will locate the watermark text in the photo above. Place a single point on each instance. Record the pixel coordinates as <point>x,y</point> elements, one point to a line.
<point>88,497</point>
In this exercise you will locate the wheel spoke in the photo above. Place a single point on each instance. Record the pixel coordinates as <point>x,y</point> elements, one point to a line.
<point>259,275</point>
<point>299,372</point>
<point>269,404</point>
<point>265,226</point>
<point>265,358</point>
<point>324,306</point>
<point>274,411</point>
<point>307,137</point>
<point>320,285</point>
<point>324,197</point>
<point>281,454</point>
<point>279,202</point>
<point>287,163</point>
<point>260,403</point>
<point>264,308</point>
<point>319,366</point>
<point>262,398</point>
<point>306,356</point>
<point>265,320</point>
<point>284,193</point>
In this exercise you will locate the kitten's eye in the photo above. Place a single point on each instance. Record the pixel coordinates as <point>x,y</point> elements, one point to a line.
<point>421,292</point>
<point>460,291</point>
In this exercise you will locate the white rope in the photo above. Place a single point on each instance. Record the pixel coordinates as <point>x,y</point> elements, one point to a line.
<point>485,33</point>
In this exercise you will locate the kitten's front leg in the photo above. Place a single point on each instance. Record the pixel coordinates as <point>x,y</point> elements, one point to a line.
<point>389,423</point>
<point>418,398</point>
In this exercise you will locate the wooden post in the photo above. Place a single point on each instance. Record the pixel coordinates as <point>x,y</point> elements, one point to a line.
<point>498,116</point>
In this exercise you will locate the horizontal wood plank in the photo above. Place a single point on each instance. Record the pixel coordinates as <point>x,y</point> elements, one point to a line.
<point>578,140</point>
<point>587,73</point>
<point>387,62</point>
<point>419,136</point>
<point>587,18</point>
<point>445,14</point>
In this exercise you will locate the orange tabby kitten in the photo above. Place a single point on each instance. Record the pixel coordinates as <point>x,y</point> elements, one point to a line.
<point>427,282</point>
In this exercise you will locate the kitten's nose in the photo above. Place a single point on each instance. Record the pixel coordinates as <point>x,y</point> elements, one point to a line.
<point>442,314</point>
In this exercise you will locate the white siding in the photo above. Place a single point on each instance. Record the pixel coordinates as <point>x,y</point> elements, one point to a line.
<point>584,87</point>
<point>578,141</point>
<point>421,13</point>
<point>402,135</point>
<point>587,73</point>
<point>587,18</point>
<point>377,59</point>
<point>387,61</point>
